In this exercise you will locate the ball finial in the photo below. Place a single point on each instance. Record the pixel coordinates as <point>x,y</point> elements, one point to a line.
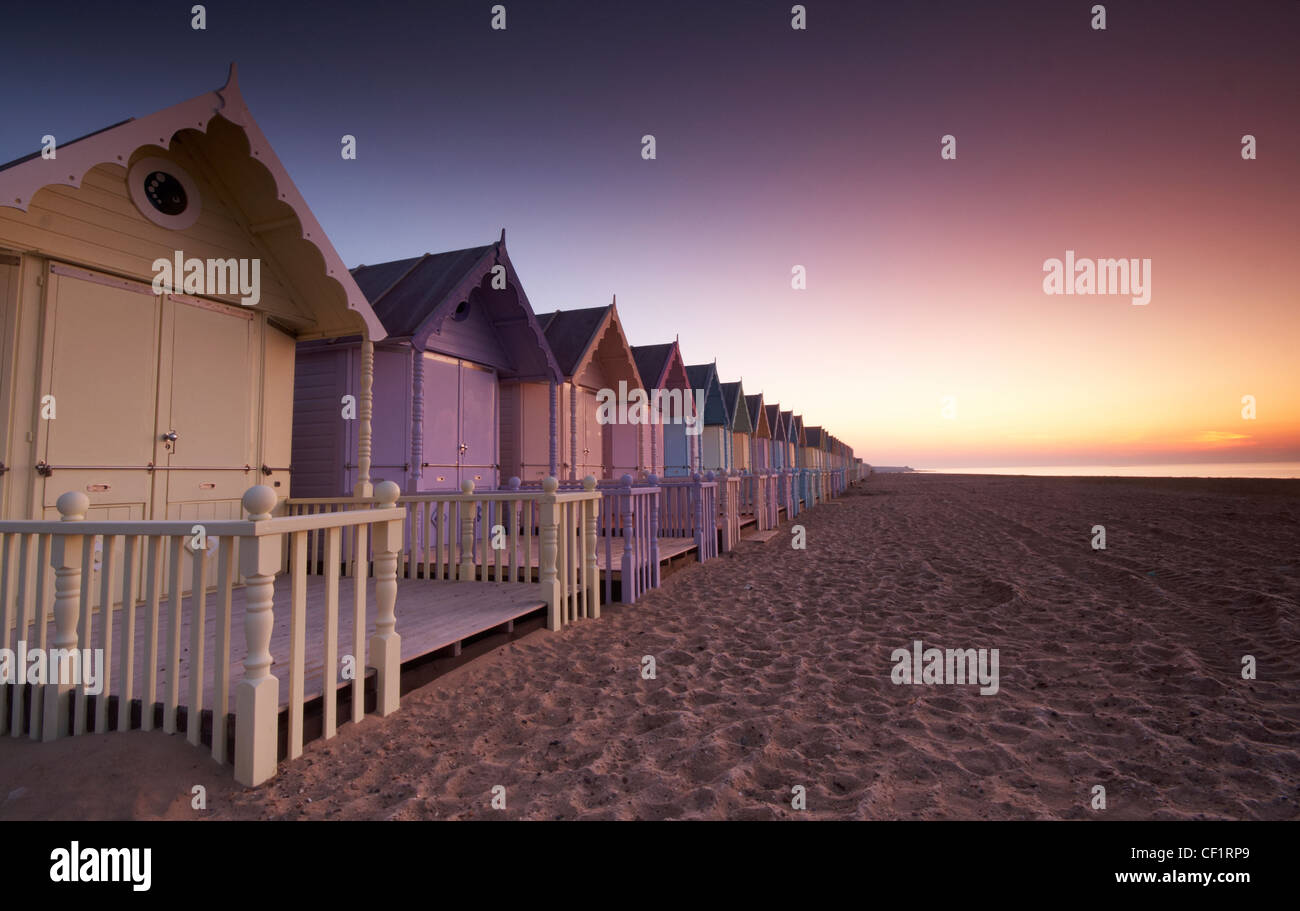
<point>72,505</point>
<point>589,482</point>
<point>258,501</point>
<point>467,487</point>
<point>550,485</point>
<point>387,492</point>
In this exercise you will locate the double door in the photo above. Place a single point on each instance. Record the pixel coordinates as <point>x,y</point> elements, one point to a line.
<point>460,424</point>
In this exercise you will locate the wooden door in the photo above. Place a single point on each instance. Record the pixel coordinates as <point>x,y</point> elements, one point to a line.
<point>589,460</point>
<point>440,470</point>
<point>97,414</point>
<point>207,401</point>
<point>8,304</point>
<point>478,425</point>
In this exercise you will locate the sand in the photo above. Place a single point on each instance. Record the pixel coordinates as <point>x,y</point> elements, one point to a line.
<point>1118,668</point>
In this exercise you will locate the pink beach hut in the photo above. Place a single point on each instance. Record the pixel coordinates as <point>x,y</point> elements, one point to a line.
<point>592,352</point>
<point>664,373</point>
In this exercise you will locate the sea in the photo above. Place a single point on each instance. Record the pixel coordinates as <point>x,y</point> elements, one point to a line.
<point>1189,470</point>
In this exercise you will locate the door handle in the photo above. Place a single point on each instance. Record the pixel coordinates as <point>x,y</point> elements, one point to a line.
<point>170,436</point>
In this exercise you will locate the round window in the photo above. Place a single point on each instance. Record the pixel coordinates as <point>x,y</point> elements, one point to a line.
<point>462,312</point>
<point>164,193</point>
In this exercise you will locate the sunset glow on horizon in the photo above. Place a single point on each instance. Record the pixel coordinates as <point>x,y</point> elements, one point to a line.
<point>821,149</point>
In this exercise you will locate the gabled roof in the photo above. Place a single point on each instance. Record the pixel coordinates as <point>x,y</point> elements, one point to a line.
<point>406,292</point>
<point>758,416</point>
<point>813,435</point>
<point>787,426</point>
<point>224,129</point>
<point>705,376</point>
<point>661,366</point>
<point>413,298</point>
<point>734,396</point>
<point>577,337</point>
<point>800,437</point>
<point>774,421</point>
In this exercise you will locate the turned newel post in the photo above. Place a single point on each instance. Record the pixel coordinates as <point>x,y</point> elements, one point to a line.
<point>555,433</point>
<point>468,510</point>
<point>549,523</point>
<point>417,421</point>
<point>711,477</point>
<point>653,481</point>
<point>591,569</point>
<point>628,566</point>
<point>697,519</point>
<point>257,695</point>
<point>724,486</point>
<point>65,558</point>
<point>386,644</point>
<point>363,487</point>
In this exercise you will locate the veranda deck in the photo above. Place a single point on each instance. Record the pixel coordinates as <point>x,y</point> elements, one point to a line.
<point>431,615</point>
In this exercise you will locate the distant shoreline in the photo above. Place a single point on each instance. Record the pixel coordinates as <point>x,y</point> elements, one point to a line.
<point>1278,471</point>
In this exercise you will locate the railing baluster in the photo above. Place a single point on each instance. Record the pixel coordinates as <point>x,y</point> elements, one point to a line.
<point>171,696</point>
<point>87,627</point>
<point>6,546</point>
<point>221,656</point>
<point>153,579</point>
<point>297,639</point>
<point>330,670</point>
<point>359,626</point>
<point>106,565</point>
<point>126,669</point>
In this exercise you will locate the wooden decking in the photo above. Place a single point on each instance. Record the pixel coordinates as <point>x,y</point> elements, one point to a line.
<point>669,549</point>
<point>430,616</point>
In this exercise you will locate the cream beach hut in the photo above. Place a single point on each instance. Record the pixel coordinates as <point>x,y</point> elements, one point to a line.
<point>156,278</point>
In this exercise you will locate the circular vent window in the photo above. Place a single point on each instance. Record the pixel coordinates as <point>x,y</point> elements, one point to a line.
<point>164,193</point>
<point>462,312</point>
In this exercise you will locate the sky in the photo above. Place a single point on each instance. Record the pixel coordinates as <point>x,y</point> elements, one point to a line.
<point>924,335</point>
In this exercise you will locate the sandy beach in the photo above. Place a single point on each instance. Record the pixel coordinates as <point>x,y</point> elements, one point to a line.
<point>1119,668</point>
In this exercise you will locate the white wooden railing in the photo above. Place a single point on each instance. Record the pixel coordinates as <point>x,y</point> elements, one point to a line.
<point>516,536</point>
<point>165,561</point>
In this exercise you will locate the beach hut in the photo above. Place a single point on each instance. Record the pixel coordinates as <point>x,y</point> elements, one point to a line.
<point>713,445</point>
<point>814,463</point>
<point>593,355</point>
<point>761,434</point>
<point>798,440</point>
<point>664,373</point>
<point>776,445</point>
<point>740,428</point>
<point>461,341</point>
<point>157,277</point>
<point>786,442</point>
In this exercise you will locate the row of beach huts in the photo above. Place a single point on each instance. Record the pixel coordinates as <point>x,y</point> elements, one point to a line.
<point>240,495</point>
